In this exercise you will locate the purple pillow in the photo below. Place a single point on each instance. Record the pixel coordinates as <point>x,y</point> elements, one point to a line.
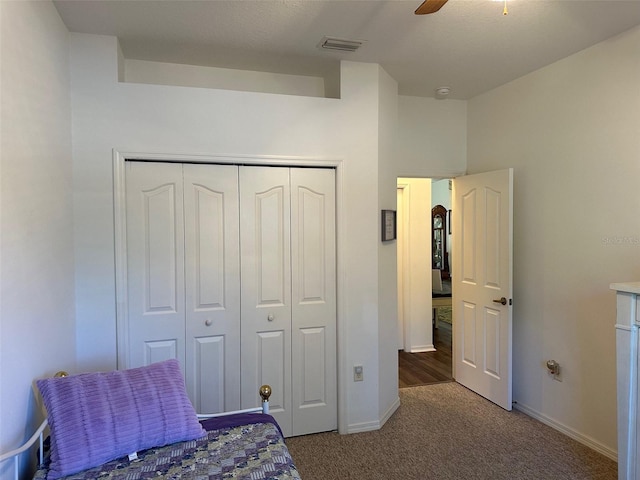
<point>97,417</point>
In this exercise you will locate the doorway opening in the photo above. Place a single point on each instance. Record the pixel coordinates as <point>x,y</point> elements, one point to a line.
<point>424,256</point>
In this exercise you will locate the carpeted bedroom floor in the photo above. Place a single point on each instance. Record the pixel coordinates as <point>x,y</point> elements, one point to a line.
<point>447,432</point>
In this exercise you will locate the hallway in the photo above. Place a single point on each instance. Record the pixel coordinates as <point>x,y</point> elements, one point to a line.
<point>428,367</point>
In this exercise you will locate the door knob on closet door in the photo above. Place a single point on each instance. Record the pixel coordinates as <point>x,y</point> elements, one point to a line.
<point>208,322</point>
<point>270,317</point>
<point>502,301</point>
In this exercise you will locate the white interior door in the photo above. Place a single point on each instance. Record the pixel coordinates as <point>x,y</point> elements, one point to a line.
<point>482,283</point>
<point>212,281</point>
<point>183,276</point>
<point>266,289</point>
<point>288,264</point>
<point>313,299</point>
<point>155,263</point>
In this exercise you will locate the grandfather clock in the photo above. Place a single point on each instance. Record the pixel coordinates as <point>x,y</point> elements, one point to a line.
<point>440,255</point>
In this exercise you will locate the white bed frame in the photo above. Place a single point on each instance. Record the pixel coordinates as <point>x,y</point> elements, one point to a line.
<point>265,393</point>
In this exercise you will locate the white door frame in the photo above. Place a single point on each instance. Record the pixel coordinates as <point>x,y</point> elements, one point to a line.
<point>120,243</point>
<point>414,264</point>
<point>403,281</point>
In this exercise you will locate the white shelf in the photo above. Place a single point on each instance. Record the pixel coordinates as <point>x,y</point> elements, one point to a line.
<point>628,287</point>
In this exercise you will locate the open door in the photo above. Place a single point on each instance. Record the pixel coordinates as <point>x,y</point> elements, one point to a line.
<point>482,283</point>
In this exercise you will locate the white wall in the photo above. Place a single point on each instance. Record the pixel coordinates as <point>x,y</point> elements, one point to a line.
<point>389,399</point>
<point>441,193</point>
<point>37,335</point>
<point>432,137</point>
<point>572,133</point>
<point>415,264</point>
<point>163,119</point>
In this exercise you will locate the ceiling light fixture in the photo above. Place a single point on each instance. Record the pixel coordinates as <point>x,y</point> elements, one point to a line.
<point>442,92</point>
<point>505,11</point>
<point>342,44</point>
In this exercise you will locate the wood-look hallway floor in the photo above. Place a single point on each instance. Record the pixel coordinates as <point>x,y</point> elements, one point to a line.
<point>428,367</point>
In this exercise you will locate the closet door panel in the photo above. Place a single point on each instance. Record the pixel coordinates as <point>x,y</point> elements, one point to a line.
<point>266,291</point>
<point>271,370</point>
<point>313,262</point>
<point>271,247</point>
<point>313,388</point>
<point>207,365</point>
<point>212,285</point>
<point>159,350</point>
<point>155,263</point>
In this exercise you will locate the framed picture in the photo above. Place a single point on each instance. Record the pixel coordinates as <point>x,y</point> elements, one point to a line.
<point>388,225</point>
<point>449,222</point>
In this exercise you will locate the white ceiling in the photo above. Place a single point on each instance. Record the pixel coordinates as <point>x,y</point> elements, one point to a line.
<point>468,45</point>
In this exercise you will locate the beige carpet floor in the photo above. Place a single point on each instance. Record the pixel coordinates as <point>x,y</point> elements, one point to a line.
<point>446,432</point>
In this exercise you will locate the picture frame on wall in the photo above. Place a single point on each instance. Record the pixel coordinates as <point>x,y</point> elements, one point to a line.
<point>388,225</point>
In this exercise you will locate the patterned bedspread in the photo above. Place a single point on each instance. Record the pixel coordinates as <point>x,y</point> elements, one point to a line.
<point>253,451</point>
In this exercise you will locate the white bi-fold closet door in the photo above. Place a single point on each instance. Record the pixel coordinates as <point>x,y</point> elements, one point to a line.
<point>288,293</point>
<point>231,269</point>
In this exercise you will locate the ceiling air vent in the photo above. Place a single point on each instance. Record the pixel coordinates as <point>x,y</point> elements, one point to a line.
<point>331,43</point>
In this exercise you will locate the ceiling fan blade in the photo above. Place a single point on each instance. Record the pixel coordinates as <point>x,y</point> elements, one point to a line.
<point>430,6</point>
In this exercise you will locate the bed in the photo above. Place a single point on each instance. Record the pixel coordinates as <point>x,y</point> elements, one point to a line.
<point>139,424</point>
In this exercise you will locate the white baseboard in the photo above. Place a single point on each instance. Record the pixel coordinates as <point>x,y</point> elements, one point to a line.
<point>569,432</point>
<point>422,348</point>
<point>363,427</point>
<point>390,411</point>
<point>371,426</point>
